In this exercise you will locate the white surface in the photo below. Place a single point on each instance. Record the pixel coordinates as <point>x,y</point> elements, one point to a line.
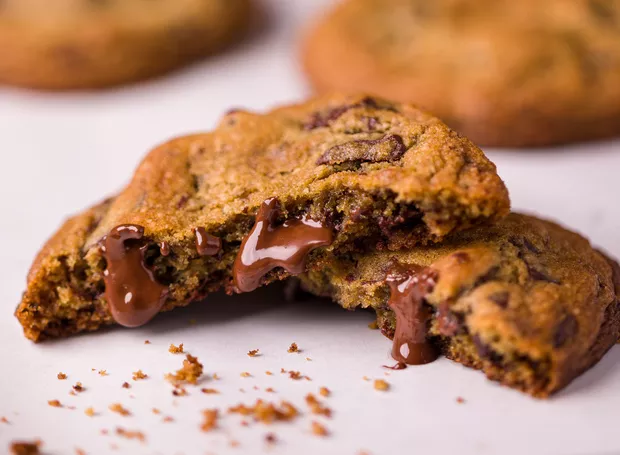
<point>62,152</point>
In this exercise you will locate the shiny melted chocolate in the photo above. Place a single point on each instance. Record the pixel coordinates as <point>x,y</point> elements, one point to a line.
<point>408,288</point>
<point>134,296</point>
<point>268,246</point>
<point>207,244</point>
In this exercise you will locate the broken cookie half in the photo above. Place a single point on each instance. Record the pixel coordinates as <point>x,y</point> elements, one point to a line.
<point>257,199</point>
<point>526,301</point>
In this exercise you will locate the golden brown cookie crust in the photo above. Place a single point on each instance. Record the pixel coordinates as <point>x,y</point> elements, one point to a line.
<point>371,191</point>
<point>82,44</point>
<point>526,73</point>
<point>528,302</point>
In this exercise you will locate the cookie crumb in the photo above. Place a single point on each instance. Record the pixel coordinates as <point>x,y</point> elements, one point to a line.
<point>270,390</point>
<point>4,420</point>
<point>373,325</point>
<point>209,391</point>
<point>216,377</point>
<point>168,419</point>
<point>147,342</point>
<point>319,429</point>
<point>324,391</point>
<point>103,373</point>
<point>179,392</point>
<point>54,403</point>
<point>308,359</point>
<point>245,374</point>
<point>79,451</point>
<point>126,385</point>
<point>61,376</point>
<point>316,407</point>
<point>268,373</point>
<point>380,384</point>
<point>270,438</point>
<point>118,408</point>
<point>90,412</point>
<point>266,412</point>
<point>460,400</point>
<point>130,434</point>
<point>25,447</point>
<point>293,348</point>
<point>138,375</point>
<point>365,378</point>
<point>253,353</point>
<point>155,411</point>
<point>210,419</point>
<point>190,372</point>
<point>78,387</point>
<point>176,349</point>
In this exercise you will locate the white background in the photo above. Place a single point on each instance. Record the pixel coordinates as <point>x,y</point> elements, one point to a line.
<point>63,152</point>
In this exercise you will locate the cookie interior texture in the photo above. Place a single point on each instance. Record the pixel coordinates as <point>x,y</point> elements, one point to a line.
<point>380,175</point>
<point>81,44</point>
<point>526,301</point>
<point>504,73</point>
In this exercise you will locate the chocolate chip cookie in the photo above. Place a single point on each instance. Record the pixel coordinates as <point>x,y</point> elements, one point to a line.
<point>504,73</point>
<point>529,303</point>
<point>81,44</point>
<point>259,198</point>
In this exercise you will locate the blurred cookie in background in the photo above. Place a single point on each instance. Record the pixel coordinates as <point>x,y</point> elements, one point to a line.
<point>502,72</point>
<point>82,44</point>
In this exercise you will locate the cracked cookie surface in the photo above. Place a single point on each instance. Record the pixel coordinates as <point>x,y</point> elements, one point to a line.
<point>526,301</point>
<point>503,73</point>
<point>332,161</point>
<point>82,44</point>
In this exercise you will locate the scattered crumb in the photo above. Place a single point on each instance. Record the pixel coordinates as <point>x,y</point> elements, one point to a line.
<point>216,377</point>
<point>156,411</point>
<point>270,438</point>
<point>324,391</point>
<point>78,387</point>
<point>373,325</point>
<point>293,348</point>
<point>189,372</point>
<point>117,407</point>
<point>460,400</point>
<point>245,374</point>
<point>72,393</point>
<point>25,447</point>
<point>209,391</point>
<point>270,390</point>
<point>147,342</point>
<point>54,403</point>
<point>308,359</point>
<point>266,412</point>
<point>61,376</point>
<point>242,390</point>
<point>253,353</point>
<point>179,392</point>
<point>296,375</point>
<point>365,378</point>
<point>4,420</point>
<point>103,373</point>
<point>210,419</point>
<point>234,443</point>
<point>319,429</point>
<point>176,349</point>
<point>255,387</point>
<point>168,419</point>
<point>79,451</point>
<point>283,371</point>
<point>316,407</point>
<point>90,412</point>
<point>129,434</point>
<point>380,384</point>
<point>268,373</point>
<point>126,385</point>
<point>137,375</point>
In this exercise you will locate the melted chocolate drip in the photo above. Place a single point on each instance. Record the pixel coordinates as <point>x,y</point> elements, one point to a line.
<point>164,248</point>
<point>397,366</point>
<point>267,246</point>
<point>408,289</point>
<point>207,244</point>
<point>133,294</point>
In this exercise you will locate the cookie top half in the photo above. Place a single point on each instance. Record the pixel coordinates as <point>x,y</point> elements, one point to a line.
<point>503,73</point>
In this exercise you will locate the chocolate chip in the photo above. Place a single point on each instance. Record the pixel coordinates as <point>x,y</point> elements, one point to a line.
<point>323,119</point>
<point>500,298</point>
<point>461,257</point>
<point>485,351</point>
<point>565,330</point>
<point>530,246</point>
<point>182,201</point>
<point>537,275</point>
<point>388,148</point>
<point>448,323</point>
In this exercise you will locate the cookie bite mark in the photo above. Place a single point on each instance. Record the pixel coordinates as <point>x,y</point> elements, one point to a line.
<point>389,148</point>
<point>133,294</point>
<point>408,288</point>
<point>268,246</point>
<point>207,244</point>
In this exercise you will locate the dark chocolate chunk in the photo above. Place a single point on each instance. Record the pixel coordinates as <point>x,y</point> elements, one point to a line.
<point>565,330</point>
<point>388,148</point>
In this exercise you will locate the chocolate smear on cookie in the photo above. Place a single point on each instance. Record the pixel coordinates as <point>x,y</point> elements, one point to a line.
<point>268,246</point>
<point>408,288</point>
<point>134,296</point>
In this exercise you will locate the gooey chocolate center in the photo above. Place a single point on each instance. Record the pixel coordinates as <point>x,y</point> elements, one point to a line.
<point>268,246</point>
<point>408,288</point>
<point>134,296</point>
